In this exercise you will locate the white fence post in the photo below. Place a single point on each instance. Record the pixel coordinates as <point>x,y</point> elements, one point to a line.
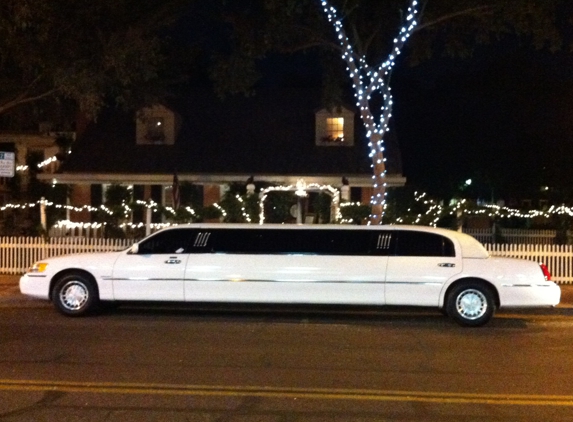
<point>43,214</point>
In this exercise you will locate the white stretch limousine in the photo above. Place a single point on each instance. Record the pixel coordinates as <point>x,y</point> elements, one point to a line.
<point>353,265</point>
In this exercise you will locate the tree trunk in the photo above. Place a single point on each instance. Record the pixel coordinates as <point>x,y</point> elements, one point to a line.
<point>378,189</point>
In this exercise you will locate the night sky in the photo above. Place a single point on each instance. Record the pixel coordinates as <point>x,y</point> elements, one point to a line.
<point>503,118</point>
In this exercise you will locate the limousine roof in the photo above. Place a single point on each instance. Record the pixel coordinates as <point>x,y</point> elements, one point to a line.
<point>470,247</point>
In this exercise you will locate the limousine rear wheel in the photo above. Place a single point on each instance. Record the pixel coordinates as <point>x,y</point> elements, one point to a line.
<point>471,303</point>
<point>75,294</point>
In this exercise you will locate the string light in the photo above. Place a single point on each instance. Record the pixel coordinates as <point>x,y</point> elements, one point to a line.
<point>46,162</point>
<point>67,224</point>
<point>342,220</point>
<point>221,209</point>
<point>434,210</point>
<point>244,212</point>
<point>367,80</point>
<point>459,208</point>
<point>300,189</point>
<point>125,207</point>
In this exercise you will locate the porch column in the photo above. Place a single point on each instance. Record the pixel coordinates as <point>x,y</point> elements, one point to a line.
<point>211,194</point>
<point>80,196</point>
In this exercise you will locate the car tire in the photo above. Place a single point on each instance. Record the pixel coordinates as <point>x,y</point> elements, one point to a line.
<point>471,303</point>
<point>75,294</point>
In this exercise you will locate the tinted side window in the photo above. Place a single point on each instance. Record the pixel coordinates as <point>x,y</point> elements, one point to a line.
<point>285,241</point>
<point>166,242</point>
<point>236,241</point>
<point>341,242</point>
<point>262,241</point>
<point>411,243</point>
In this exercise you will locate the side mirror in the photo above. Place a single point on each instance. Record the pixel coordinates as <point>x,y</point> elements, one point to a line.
<point>134,249</point>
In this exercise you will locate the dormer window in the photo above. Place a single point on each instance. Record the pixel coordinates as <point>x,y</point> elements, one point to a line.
<point>334,128</point>
<point>157,125</point>
<point>155,130</point>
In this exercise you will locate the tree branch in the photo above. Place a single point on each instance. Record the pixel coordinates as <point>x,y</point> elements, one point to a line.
<point>22,99</point>
<point>453,15</point>
<point>316,43</point>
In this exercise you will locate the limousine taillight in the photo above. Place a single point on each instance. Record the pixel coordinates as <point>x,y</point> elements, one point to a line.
<point>546,272</point>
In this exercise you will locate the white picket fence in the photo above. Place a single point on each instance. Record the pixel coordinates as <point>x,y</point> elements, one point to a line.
<point>558,258</point>
<point>17,254</point>
<point>516,236</point>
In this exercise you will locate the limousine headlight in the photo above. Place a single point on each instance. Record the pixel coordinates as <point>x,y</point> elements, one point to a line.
<point>38,267</point>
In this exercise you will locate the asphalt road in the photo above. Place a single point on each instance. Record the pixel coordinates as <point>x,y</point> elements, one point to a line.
<point>287,364</point>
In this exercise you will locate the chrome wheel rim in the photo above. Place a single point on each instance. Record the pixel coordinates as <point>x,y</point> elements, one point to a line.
<point>74,295</point>
<point>471,304</point>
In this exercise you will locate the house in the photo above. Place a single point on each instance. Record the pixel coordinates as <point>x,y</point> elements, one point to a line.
<point>41,144</point>
<point>276,137</point>
<point>34,151</point>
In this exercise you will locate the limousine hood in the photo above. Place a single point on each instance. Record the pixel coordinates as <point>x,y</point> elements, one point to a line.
<point>98,261</point>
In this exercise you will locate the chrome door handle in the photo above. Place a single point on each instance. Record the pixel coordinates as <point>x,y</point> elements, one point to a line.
<point>446,264</point>
<point>173,261</point>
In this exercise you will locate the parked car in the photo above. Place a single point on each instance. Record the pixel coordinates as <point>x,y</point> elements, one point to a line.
<point>312,264</point>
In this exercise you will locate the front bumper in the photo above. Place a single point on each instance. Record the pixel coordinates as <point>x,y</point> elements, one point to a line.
<point>35,285</point>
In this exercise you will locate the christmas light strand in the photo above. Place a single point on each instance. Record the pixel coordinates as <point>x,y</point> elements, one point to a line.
<point>244,212</point>
<point>431,213</point>
<point>46,162</point>
<point>300,189</point>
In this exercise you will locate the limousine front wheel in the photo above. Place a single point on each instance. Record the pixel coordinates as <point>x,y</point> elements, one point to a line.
<point>471,304</point>
<point>74,294</point>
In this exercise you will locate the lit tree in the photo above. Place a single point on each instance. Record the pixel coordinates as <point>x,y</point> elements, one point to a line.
<point>452,28</point>
<point>367,80</point>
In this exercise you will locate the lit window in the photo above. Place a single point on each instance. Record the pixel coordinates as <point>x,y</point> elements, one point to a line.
<point>155,130</point>
<point>334,129</point>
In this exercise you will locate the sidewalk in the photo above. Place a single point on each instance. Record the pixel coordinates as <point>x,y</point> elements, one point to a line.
<point>9,289</point>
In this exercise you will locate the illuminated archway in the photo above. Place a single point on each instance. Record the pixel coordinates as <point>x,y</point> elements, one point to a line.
<point>301,190</point>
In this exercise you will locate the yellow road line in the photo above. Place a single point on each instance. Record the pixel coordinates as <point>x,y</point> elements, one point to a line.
<point>285,392</point>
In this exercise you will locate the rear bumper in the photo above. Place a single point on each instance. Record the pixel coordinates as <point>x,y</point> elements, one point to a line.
<point>528,296</point>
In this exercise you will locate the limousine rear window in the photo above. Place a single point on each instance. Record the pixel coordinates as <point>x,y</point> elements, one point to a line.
<point>411,243</point>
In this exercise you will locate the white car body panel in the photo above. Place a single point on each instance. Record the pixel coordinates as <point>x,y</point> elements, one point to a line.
<point>302,278</point>
<point>419,283</point>
<point>285,279</point>
<point>519,282</point>
<point>149,277</point>
<point>99,265</point>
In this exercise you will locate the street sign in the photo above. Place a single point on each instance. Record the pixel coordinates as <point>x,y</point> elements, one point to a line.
<point>7,164</point>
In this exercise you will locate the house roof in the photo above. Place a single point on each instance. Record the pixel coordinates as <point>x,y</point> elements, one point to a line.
<point>271,133</point>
